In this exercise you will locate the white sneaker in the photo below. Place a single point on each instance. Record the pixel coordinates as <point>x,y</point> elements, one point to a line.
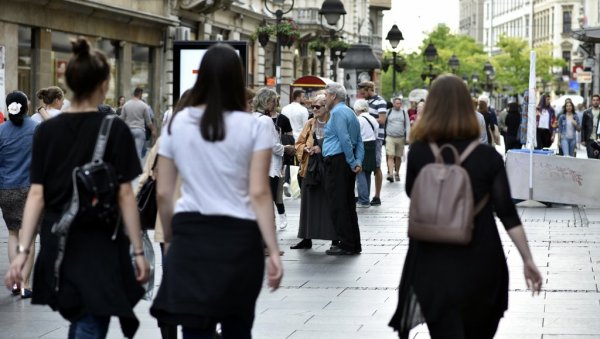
<point>286,190</point>
<point>282,221</point>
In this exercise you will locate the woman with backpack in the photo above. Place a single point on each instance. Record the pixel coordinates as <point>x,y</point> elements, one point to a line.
<point>86,275</point>
<point>214,235</point>
<point>460,290</point>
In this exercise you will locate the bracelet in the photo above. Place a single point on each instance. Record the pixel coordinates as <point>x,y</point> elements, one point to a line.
<point>22,249</point>
<point>138,254</point>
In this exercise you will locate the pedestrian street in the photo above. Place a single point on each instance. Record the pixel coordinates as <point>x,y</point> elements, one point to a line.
<point>355,296</point>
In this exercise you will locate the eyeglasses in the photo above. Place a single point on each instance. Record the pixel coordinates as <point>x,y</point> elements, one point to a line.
<point>316,106</point>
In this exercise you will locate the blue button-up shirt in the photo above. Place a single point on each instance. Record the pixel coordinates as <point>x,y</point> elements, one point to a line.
<point>342,135</point>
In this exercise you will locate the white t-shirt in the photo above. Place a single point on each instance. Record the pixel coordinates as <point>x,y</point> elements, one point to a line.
<point>298,116</point>
<point>278,148</point>
<point>544,119</point>
<point>215,176</point>
<point>366,131</point>
<point>52,112</point>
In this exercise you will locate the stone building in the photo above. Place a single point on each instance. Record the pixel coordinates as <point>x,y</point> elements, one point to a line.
<point>137,37</point>
<point>36,35</point>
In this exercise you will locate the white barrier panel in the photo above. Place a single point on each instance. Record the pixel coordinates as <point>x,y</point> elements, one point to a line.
<point>555,178</point>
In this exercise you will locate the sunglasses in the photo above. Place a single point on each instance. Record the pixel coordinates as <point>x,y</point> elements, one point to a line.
<point>316,106</point>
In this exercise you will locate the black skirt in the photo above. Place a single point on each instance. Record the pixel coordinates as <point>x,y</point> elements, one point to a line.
<point>214,269</point>
<point>96,276</point>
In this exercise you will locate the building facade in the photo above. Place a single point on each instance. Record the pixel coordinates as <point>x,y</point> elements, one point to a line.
<point>137,36</point>
<point>132,34</point>
<point>471,19</point>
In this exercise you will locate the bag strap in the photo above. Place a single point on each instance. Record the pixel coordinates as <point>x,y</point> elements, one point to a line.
<point>481,204</point>
<point>372,127</point>
<point>102,139</point>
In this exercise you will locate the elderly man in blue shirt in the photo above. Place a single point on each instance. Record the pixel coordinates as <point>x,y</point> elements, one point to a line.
<point>344,152</point>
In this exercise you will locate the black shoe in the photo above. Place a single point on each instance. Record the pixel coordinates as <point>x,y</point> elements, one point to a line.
<point>339,251</point>
<point>390,178</point>
<point>375,201</point>
<point>302,245</point>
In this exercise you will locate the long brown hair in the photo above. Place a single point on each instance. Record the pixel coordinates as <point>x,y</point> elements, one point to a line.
<point>448,113</point>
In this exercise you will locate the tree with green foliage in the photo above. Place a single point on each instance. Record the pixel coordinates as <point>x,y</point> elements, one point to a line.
<point>512,64</point>
<point>470,55</point>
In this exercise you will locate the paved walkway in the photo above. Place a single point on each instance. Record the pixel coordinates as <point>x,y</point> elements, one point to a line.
<point>354,297</point>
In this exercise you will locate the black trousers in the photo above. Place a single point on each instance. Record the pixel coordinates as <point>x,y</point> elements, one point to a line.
<point>339,184</point>
<point>543,138</point>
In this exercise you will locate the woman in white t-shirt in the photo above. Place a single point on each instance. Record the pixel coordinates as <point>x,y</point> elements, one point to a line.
<point>53,98</point>
<point>214,253</point>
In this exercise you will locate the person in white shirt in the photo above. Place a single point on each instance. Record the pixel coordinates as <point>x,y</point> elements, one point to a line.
<point>368,132</point>
<point>215,233</point>
<point>264,104</point>
<point>52,98</point>
<point>296,112</point>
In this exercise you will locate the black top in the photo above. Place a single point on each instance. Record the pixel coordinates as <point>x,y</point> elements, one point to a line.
<point>282,123</point>
<point>513,123</point>
<point>447,277</point>
<point>96,275</point>
<point>66,141</point>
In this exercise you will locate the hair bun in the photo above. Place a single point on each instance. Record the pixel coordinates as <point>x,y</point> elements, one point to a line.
<point>80,46</point>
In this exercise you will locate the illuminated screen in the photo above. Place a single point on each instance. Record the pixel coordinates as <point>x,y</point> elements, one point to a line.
<point>187,56</point>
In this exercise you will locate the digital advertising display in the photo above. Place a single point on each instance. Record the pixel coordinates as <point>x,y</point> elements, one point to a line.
<point>187,56</point>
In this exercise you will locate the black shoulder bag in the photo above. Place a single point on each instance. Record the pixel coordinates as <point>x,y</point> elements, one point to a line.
<point>315,170</point>
<point>95,196</point>
<point>146,201</point>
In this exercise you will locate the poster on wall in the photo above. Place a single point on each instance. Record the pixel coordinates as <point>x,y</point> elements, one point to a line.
<point>2,81</point>
<point>187,56</point>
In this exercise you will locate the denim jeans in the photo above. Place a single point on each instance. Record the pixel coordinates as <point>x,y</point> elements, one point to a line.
<point>363,186</point>
<point>139,136</point>
<point>89,327</point>
<point>568,146</point>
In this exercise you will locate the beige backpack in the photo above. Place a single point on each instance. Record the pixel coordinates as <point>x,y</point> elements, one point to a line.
<point>441,207</point>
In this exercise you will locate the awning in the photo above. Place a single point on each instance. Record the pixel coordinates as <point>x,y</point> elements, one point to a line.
<point>311,81</point>
<point>590,34</point>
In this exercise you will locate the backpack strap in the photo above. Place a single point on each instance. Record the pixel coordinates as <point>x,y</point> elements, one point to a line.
<point>465,154</point>
<point>481,204</point>
<point>437,152</point>
<point>102,139</point>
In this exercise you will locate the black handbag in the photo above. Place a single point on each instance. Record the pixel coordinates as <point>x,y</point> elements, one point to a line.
<point>146,202</point>
<point>288,159</point>
<point>315,169</point>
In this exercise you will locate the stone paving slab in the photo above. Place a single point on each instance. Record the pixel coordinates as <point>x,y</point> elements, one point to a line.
<point>354,297</point>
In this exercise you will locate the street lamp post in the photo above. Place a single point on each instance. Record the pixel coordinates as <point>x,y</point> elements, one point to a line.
<point>332,10</point>
<point>453,63</point>
<point>394,36</point>
<point>488,69</point>
<point>430,54</point>
<point>278,17</point>
<point>474,81</point>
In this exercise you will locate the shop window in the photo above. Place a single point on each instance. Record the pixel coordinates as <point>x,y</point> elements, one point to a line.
<point>25,62</point>
<point>61,53</point>
<point>141,70</point>
<point>110,49</point>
